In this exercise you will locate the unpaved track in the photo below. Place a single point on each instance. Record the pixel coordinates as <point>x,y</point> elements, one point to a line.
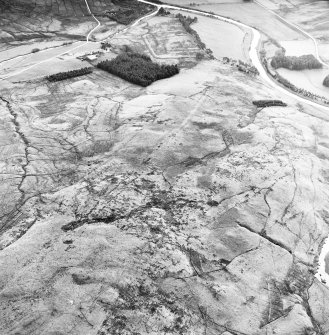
<point>61,54</point>
<point>98,23</point>
<point>253,52</point>
<point>80,45</point>
<point>317,55</point>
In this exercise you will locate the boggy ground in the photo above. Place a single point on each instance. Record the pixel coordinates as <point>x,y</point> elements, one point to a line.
<point>50,24</point>
<point>176,209</point>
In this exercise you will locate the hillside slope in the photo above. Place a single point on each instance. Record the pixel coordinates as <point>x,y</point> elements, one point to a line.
<point>176,209</point>
<point>23,20</point>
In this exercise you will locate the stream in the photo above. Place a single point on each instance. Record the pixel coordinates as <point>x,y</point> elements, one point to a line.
<point>321,274</point>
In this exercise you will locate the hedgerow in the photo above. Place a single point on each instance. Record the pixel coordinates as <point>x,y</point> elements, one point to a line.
<point>69,74</point>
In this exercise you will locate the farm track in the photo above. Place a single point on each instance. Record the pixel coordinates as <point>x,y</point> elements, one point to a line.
<point>295,26</point>
<point>68,51</point>
<point>89,10</point>
<point>254,56</point>
<point>253,51</point>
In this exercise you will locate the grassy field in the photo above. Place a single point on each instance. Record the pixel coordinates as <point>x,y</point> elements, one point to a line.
<point>255,16</point>
<point>98,147</point>
<point>310,80</point>
<point>299,48</point>
<point>65,20</point>
<point>55,64</point>
<point>191,210</point>
<point>166,38</point>
<point>313,17</point>
<point>275,4</point>
<point>224,39</point>
<point>250,14</point>
<point>162,38</point>
<point>14,51</point>
<point>23,20</point>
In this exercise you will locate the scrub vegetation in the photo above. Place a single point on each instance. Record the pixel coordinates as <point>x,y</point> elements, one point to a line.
<point>138,68</point>
<point>127,11</point>
<point>186,22</point>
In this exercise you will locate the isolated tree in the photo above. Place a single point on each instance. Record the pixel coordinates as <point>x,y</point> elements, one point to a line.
<point>326,81</point>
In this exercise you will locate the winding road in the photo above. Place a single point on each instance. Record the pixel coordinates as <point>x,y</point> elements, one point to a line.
<point>61,54</point>
<point>253,53</point>
<point>80,45</point>
<point>317,55</point>
<point>87,41</point>
<point>98,23</point>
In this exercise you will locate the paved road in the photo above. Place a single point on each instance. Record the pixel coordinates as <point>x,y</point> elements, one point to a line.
<point>98,23</point>
<point>317,55</point>
<point>78,46</point>
<point>58,55</point>
<point>253,52</point>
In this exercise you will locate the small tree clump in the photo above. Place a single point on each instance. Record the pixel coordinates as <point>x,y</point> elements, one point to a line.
<point>295,63</point>
<point>199,56</point>
<point>326,81</point>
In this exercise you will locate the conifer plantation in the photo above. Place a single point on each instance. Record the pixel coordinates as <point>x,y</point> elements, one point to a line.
<point>138,68</point>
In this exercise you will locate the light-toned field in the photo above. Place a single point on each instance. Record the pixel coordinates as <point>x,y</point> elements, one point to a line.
<point>224,39</point>
<point>310,80</point>
<point>276,4</point>
<point>50,67</point>
<point>19,50</point>
<point>116,181</point>
<point>163,38</point>
<point>253,15</point>
<point>166,38</point>
<point>298,48</point>
<point>55,60</point>
<point>313,17</point>
<point>21,28</point>
<point>179,208</point>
